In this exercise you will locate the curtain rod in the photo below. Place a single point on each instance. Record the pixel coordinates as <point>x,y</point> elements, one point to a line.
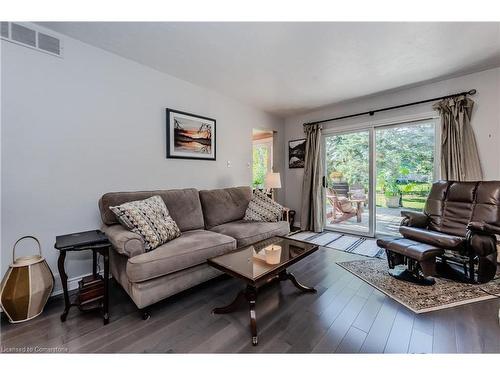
<point>371,113</point>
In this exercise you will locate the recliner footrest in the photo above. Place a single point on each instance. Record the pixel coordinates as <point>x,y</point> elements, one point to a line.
<point>417,256</point>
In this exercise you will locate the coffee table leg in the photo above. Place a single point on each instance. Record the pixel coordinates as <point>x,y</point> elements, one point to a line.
<point>251,295</point>
<point>232,306</point>
<point>284,275</point>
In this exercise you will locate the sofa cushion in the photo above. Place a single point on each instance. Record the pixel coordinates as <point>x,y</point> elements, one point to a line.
<point>148,218</point>
<point>263,208</point>
<point>183,205</point>
<point>190,249</point>
<point>442,240</point>
<point>248,232</point>
<point>123,240</point>
<point>224,205</point>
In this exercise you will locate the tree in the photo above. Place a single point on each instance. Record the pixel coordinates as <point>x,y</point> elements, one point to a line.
<point>348,154</point>
<point>260,163</point>
<point>405,154</point>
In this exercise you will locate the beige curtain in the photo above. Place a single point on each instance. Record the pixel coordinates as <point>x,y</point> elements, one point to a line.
<point>311,217</point>
<point>459,155</point>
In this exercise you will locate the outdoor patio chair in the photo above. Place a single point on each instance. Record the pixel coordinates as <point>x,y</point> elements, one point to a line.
<point>342,207</point>
<point>358,192</point>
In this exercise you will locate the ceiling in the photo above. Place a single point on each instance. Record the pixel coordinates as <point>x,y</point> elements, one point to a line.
<point>288,68</point>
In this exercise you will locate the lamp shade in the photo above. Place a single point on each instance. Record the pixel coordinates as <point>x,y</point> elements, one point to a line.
<point>272,180</point>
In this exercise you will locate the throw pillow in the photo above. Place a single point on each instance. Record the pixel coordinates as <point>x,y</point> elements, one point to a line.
<point>150,219</point>
<point>263,208</point>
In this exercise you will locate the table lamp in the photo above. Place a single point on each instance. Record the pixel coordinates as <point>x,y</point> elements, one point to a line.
<point>272,181</point>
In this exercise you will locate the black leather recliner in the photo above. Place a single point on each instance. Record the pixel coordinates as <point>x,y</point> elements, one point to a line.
<point>462,218</point>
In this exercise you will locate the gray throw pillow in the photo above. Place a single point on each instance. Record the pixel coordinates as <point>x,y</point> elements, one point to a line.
<point>150,219</point>
<point>263,208</point>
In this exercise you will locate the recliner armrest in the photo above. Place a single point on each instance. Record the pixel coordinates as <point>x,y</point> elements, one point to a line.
<point>476,226</point>
<point>414,219</point>
<point>123,240</point>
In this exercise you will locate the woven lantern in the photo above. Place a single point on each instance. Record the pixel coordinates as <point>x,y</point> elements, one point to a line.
<point>26,286</point>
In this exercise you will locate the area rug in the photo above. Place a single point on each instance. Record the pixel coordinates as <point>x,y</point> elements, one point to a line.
<point>344,242</point>
<point>420,299</point>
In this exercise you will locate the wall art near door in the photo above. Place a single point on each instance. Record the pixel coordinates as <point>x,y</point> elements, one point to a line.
<point>190,136</point>
<point>296,153</point>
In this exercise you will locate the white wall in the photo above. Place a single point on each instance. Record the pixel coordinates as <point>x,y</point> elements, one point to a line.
<point>485,120</point>
<point>76,127</point>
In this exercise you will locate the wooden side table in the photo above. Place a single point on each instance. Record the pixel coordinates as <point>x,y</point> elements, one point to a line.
<point>101,247</point>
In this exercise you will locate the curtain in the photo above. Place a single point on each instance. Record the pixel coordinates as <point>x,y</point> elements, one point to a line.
<point>459,155</point>
<point>313,198</point>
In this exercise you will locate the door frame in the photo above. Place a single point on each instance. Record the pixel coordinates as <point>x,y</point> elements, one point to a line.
<point>371,127</point>
<point>371,146</point>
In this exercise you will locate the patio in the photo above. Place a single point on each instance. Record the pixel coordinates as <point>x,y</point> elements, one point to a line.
<point>387,222</point>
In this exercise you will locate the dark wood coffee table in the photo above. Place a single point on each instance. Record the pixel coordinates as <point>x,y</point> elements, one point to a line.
<point>242,264</point>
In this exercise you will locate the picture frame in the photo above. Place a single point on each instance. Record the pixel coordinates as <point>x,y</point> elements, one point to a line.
<point>296,153</point>
<point>190,136</point>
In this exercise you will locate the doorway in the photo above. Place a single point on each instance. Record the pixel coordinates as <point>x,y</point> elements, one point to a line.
<point>348,159</point>
<point>262,156</point>
<point>373,174</point>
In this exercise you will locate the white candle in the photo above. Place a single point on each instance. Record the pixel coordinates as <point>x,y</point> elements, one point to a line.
<point>273,254</point>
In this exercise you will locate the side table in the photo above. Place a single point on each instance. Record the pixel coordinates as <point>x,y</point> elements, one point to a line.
<point>96,242</point>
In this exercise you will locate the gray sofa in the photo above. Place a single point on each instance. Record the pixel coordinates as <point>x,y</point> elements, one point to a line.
<point>211,224</point>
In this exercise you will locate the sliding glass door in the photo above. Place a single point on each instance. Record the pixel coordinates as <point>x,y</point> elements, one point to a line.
<point>405,168</point>
<point>373,174</point>
<point>348,160</point>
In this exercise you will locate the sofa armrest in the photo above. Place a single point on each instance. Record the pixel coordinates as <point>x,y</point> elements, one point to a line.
<point>482,227</point>
<point>124,241</point>
<point>414,219</point>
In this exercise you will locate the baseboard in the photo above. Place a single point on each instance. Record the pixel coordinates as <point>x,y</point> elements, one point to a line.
<point>72,284</point>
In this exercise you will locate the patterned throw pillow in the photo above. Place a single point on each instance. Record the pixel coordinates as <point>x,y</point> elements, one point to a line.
<point>263,208</point>
<point>150,219</point>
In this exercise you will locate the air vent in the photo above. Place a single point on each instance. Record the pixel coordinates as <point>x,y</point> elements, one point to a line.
<point>28,36</point>
<point>23,35</point>
<point>48,43</point>
<point>5,29</point>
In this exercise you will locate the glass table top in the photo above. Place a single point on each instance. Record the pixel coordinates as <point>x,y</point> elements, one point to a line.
<point>264,257</point>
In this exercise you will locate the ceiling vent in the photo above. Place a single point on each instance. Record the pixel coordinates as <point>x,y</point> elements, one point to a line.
<point>5,29</point>
<point>49,43</point>
<point>28,36</point>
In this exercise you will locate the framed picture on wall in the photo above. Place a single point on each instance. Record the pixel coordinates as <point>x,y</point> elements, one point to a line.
<point>296,153</point>
<point>190,136</point>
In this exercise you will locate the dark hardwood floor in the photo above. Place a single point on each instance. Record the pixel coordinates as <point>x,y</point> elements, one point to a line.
<point>346,315</point>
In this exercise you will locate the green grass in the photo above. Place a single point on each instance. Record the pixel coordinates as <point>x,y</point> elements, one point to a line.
<point>409,201</point>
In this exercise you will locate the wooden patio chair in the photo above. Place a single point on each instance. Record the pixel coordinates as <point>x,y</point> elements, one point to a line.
<point>339,211</point>
<point>357,192</point>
